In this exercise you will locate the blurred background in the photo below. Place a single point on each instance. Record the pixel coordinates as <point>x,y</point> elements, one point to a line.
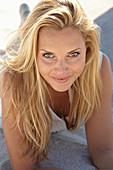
<point>10,19</point>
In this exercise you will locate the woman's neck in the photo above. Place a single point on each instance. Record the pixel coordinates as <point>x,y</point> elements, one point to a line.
<point>56,93</point>
<point>59,102</point>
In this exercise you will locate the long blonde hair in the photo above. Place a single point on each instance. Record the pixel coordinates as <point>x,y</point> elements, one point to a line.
<point>29,90</point>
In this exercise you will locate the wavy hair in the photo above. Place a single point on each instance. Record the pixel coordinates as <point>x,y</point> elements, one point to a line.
<point>29,90</point>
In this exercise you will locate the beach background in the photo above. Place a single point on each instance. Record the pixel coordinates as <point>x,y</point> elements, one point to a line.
<point>102,13</point>
<point>10,19</point>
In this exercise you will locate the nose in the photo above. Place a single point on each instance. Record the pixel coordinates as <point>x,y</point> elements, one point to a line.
<point>61,66</point>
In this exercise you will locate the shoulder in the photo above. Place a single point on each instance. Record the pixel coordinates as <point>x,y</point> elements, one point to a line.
<point>5,79</point>
<point>1,77</point>
<point>105,62</point>
<point>106,72</point>
<point>5,95</point>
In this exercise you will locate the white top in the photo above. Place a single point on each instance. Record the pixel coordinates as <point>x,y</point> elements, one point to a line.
<point>58,124</point>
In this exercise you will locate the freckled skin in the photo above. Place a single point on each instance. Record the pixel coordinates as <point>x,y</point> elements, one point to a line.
<point>61,69</point>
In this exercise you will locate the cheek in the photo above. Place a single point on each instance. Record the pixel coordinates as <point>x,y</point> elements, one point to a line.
<point>44,68</point>
<point>41,68</point>
<point>82,64</point>
<point>79,65</point>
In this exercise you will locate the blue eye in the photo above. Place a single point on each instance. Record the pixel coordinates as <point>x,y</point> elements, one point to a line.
<point>47,55</point>
<point>75,54</point>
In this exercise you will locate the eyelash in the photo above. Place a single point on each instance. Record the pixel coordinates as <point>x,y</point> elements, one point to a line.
<point>49,54</point>
<point>77,53</point>
<point>45,55</point>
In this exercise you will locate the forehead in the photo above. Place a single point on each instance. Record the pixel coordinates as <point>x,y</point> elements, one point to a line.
<point>66,36</point>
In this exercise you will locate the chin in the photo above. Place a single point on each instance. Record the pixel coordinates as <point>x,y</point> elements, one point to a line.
<point>61,89</point>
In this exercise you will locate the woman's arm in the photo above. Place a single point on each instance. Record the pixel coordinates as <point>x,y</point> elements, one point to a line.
<point>13,140</point>
<point>99,130</point>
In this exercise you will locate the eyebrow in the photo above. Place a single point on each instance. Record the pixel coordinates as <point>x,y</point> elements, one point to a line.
<point>45,51</point>
<point>74,50</point>
<point>67,53</point>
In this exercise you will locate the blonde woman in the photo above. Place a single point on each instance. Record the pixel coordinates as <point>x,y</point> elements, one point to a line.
<point>56,74</point>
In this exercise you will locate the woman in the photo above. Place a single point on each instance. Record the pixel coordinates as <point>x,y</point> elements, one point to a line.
<point>56,70</point>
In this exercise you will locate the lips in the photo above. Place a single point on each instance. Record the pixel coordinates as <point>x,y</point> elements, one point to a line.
<point>61,79</point>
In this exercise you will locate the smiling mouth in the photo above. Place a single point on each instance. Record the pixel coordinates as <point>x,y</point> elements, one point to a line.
<point>61,80</point>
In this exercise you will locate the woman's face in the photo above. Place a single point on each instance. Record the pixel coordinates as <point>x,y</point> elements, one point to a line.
<point>61,57</point>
